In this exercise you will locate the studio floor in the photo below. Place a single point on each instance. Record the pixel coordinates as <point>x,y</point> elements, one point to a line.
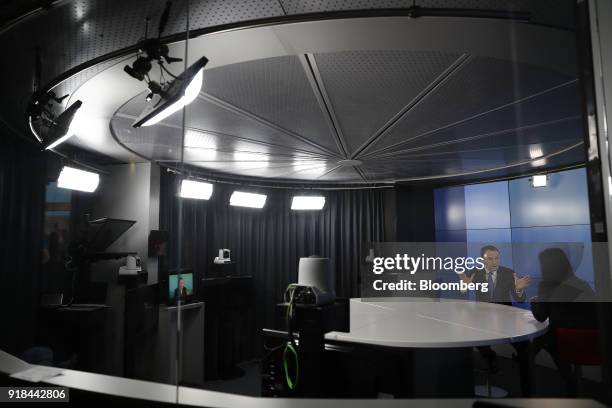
<point>548,382</point>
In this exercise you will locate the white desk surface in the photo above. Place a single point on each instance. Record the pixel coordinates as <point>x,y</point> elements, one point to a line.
<point>427,323</point>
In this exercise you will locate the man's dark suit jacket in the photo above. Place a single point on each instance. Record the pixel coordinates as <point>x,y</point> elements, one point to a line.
<point>504,290</point>
<point>183,295</point>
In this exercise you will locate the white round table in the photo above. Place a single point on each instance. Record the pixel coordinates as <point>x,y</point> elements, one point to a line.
<point>439,323</point>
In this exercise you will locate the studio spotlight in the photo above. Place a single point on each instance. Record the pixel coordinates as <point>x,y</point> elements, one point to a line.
<point>76,179</point>
<point>154,89</point>
<point>537,154</point>
<point>149,50</point>
<point>539,180</point>
<point>180,92</point>
<point>139,68</point>
<point>242,199</point>
<point>307,203</point>
<point>40,110</point>
<point>41,102</point>
<point>59,129</point>
<point>196,189</point>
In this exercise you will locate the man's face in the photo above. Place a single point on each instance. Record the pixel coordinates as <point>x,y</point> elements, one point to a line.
<point>181,284</point>
<point>491,260</point>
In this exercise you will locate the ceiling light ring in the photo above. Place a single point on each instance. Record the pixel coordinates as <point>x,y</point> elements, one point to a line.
<point>281,19</point>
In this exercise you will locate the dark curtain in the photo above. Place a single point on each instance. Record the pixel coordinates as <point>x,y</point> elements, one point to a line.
<point>268,243</point>
<point>22,200</point>
<point>416,222</point>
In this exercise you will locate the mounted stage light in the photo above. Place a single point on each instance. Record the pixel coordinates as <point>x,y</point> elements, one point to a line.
<point>60,131</point>
<point>307,203</point>
<point>536,153</point>
<point>76,179</point>
<point>40,112</point>
<point>196,189</point>
<point>139,68</point>
<point>181,92</point>
<point>242,199</point>
<point>151,49</point>
<point>539,180</point>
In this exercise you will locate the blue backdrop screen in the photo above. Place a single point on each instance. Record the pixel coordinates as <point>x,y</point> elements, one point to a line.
<point>513,212</point>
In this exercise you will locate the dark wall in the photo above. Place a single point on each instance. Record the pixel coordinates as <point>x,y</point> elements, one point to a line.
<point>268,243</point>
<point>415,214</point>
<point>22,199</point>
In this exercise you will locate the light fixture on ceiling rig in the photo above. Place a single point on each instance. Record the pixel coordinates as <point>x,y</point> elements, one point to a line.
<point>72,178</point>
<point>50,129</point>
<point>195,189</point>
<point>307,203</point>
<point>174,95</point>
<point>244,199</point>
<point>151,49</point>
<point>539,180</point>
<point>165,97</point>
<point>62,129</point>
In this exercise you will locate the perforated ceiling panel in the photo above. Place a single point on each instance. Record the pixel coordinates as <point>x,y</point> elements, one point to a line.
<point>309,6</point>
<point>229,127</point>
<point>550,12</point>
<point>212,13</point>
<point>314,6</point>
<point>560,160</point>
<point>454,140</point>
<point>555,109</point>
<point>367,88</point>
<point>476,89</point>
<point>276,90</point>
<point>262,118</point>
<point>441,161</point>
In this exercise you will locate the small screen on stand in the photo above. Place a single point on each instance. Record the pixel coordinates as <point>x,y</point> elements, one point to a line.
<point>182,287</point>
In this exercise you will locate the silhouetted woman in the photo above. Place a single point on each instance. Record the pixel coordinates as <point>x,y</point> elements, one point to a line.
<point>565,300</point>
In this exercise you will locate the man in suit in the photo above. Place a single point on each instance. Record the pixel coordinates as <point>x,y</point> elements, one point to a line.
<point>503,286</point>
<point>503,283</point>
<point>180,293</point>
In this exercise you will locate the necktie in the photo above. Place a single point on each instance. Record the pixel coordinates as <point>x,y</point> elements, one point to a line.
<point>490,284</point>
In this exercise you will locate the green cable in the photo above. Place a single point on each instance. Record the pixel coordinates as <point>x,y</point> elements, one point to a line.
<point>289,347</point>
<point>290,383</point>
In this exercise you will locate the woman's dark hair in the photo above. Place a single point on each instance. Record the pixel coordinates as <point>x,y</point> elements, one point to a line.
<point>555,266</point>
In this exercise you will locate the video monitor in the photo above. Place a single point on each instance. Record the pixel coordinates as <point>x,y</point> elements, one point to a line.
<point>182,286</point>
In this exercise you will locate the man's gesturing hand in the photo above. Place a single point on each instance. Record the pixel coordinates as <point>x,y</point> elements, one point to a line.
<point>467,279</point>
<point>521,283</point>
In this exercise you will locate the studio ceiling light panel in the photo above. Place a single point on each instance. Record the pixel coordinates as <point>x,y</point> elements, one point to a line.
<point>251,200</point>
<point>196,189</point>
<point>181,92</point>
<point>539,180</point>
<point>61,130</point>
<point>76,179</point>
<point>307,203</point>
